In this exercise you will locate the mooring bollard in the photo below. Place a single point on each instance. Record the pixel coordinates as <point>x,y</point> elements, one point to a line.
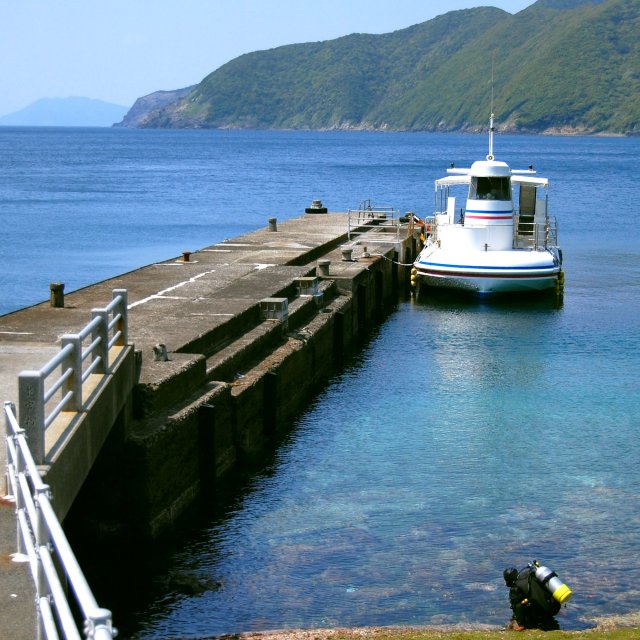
<point>273,224</point>
<point>316,207</point>
<point>346,254</point>
<point>160,353</point>
<point>57,294</point>
<point>323,267</point>
<point>186,255</point>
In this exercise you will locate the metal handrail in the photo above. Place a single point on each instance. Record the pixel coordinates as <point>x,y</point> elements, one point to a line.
<point>535,235</point>
<point>42,540</point>
<point>36,389</point>
<point>368,216</point>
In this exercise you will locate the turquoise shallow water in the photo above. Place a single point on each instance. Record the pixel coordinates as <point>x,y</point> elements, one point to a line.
<point>465,438</point>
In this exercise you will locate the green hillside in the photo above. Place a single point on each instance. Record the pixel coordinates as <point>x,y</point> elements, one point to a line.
<point>559,65</point>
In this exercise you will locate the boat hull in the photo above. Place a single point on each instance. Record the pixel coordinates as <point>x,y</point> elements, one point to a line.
<point>489,272</point>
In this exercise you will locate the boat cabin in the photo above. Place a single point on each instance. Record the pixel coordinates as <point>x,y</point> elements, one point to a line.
<point>512,202</point>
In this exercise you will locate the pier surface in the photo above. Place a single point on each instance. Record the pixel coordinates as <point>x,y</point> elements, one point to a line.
<point>173,303</point>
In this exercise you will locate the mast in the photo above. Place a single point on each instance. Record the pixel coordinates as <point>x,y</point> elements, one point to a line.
<point>491,130</point>
<point>491,127</point>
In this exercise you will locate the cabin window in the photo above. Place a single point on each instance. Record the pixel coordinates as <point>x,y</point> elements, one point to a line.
<point>490,188</point>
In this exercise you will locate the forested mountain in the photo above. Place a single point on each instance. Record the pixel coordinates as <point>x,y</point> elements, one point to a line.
<point>558,65</point>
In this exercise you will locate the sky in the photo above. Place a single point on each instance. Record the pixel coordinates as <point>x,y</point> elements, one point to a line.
<point>120,50</point>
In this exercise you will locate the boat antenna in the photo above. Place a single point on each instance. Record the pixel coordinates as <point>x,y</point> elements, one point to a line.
<point>491,130</point>
<point>491,127</point>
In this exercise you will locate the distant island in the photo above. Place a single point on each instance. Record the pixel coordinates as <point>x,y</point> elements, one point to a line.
<point>66,112</point>
<point>558,66</point>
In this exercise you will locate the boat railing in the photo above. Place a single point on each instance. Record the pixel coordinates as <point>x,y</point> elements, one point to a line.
<point>536,235</point>
<point>369,217</point>
<point>528,232</point>
<point>430,227</point>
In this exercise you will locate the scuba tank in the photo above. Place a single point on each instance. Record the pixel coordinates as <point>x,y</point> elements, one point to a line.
<point>550,580</point>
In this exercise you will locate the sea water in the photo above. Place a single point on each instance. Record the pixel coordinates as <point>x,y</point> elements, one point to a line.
<point>465,438</point>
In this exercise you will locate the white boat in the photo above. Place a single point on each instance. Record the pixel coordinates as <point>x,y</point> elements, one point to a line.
<point>490,246</point>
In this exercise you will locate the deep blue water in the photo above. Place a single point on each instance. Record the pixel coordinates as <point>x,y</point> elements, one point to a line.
<point>465,438</point>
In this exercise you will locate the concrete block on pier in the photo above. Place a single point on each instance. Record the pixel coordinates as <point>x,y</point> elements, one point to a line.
<point>274,308</point>
<point>307,286</point>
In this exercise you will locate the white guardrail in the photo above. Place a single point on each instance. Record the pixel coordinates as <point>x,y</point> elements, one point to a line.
<point>108,327</point>
<point>41,539</point>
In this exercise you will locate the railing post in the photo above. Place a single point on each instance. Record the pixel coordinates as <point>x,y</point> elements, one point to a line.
<point>123,324</point>
<point>31,411</point>
<point>74,362</point>
<point>102,331</point>
<point>8,406</point>
<point>98,625</point>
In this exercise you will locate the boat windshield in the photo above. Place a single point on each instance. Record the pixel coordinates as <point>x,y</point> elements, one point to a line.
<point>490,188</point>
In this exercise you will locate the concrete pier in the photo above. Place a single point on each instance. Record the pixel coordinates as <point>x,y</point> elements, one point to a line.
<point>231,342</point>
